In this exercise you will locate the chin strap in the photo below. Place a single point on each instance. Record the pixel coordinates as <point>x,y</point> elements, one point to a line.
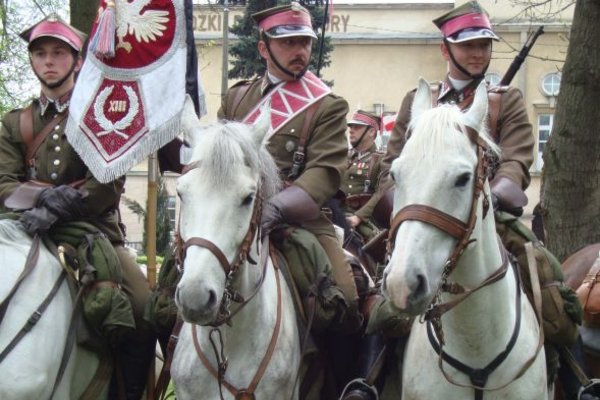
<point>461,68</point>
<point>281,67</point>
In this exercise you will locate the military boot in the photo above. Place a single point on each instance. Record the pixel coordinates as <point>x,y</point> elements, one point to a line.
<point>134,357</point>
<point>369,365</point>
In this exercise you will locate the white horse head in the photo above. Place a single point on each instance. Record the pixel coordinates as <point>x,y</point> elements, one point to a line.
<point>229,287</point>
<point>447,265</point>
<point>436,168</point>
<point>217,201</point>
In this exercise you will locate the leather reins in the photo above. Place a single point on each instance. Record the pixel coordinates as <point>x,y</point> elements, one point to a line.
<point>225,315</point>
<point>462,232</point>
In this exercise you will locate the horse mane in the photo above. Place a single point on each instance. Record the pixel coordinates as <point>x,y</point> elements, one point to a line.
<point>13,235</point>
<point>436,129</point>
<point>232,145</point>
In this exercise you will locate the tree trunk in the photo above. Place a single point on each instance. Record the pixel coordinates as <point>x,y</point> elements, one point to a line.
<point>570,193</point>
<point>83,13</point>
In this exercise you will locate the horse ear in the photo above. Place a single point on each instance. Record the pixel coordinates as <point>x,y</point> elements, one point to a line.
<point>262,125</point>
<point>477,113</point>
<point>422,100</point>
<point>189,120</point>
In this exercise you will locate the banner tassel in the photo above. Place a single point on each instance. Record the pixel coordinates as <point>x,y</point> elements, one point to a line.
<point>102,44</point>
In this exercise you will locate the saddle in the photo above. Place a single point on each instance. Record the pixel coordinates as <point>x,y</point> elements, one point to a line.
<point>589,295</point>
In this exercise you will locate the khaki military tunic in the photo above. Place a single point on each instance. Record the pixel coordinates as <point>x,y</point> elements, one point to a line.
<point>57,163</point>
<point>360,180</point>
<point>513,135</point>
<point>513,132</point>
<point>326,145</point>
<point>325,161</point>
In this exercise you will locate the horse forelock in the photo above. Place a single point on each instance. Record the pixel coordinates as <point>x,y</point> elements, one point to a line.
<point>438,128</point>
<point>228,145</point>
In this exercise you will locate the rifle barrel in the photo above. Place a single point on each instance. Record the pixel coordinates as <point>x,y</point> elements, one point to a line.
<point>520,58</point>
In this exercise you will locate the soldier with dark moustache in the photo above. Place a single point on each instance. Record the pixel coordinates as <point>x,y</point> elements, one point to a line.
<point>71,192</point>
<point>308,140</point>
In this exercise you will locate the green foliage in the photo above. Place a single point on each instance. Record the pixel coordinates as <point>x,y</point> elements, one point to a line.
<point>17,82</point>
<point>247,62</point>
<point>143,259</point>
<point>163,219</point>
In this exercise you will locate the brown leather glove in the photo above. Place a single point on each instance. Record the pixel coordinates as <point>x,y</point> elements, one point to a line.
<point>507,196</point>
<point>292,205</point>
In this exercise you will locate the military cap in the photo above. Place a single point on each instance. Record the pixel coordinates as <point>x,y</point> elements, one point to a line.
<point>466,22</point>
<point>54,26</point>
<point>285,21</point>
<point>365,118</point>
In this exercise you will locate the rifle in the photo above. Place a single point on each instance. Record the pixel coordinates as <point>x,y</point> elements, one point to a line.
<point>516,64</point>
<point>322,42</point>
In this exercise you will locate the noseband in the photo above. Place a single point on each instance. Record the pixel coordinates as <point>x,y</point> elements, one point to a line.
<point>446,222</point>
<point>230,269</point>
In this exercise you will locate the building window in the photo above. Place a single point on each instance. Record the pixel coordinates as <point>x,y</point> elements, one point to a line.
<point>551,84</point>
<point>545,122</point>
<point>171,210</point>
<point>493,78</point>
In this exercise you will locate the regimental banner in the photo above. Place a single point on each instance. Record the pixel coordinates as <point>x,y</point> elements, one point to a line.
<point>289,99</point>
<point>128,106</point>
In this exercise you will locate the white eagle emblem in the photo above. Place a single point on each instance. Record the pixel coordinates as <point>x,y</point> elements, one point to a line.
<point>146,26</point>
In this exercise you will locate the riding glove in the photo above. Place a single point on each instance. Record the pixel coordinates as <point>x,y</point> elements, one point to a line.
<point>292,205</point>
<point>37,220</point>
<point>66,202</point>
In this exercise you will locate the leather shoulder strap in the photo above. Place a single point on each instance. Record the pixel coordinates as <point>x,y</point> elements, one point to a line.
<point>494,103</point>
<point>26,125</point>
<point>300,154</point>
<point>33,146</point>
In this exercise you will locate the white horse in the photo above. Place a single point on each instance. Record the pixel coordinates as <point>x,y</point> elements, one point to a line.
<point>444,241</point>
<point>240,319</point>
<point>28,370</point>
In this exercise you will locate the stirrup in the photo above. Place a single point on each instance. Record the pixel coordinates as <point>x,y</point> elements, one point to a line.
<point>590,391</point>
<point>360,383</point>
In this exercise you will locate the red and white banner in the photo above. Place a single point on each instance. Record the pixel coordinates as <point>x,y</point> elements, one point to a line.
<point>128,106</point>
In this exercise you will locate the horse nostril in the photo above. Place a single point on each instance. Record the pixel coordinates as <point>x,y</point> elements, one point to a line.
<point>212,298</point>
<point>421,286</point>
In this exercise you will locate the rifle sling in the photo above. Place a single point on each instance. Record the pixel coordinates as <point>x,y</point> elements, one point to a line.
<point>33,144</point>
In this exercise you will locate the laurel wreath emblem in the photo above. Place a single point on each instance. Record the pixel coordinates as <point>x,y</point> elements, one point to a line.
<point>118,126</point>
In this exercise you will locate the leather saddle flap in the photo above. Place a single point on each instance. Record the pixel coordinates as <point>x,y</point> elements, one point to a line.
<point>26,195</point>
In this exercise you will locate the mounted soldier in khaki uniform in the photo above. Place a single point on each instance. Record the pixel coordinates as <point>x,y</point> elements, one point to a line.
<point>42,174</point>
<point>467,48</point>
<point>361,178</point>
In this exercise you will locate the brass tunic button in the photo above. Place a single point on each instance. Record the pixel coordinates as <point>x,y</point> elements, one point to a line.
<point>55,136</point>
<point>57,127</point>
<point>56,162</point>
<point>292,130</point>
<point>57,149</point>
<point>350,186</point>
<point>53,176</point>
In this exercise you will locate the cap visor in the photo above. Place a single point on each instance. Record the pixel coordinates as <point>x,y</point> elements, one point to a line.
<point>472,34</point>
<point>284,31</point>
<point>355,122</point>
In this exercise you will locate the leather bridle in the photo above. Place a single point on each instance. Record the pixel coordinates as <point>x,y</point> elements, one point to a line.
<point>225,315</point>
<point>446,222</point>
<point>462,232</point>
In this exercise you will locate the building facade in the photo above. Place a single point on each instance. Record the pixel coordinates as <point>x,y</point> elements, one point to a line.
<point>381,48</point>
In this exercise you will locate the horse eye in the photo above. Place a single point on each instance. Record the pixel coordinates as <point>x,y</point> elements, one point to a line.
<point>248,200</point>
<point>463,179</point>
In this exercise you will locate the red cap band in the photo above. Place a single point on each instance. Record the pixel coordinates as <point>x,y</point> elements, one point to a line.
<point>365,119</point>
<point>57,30</point>
<point>472,20</point>
<point>291,17</point>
